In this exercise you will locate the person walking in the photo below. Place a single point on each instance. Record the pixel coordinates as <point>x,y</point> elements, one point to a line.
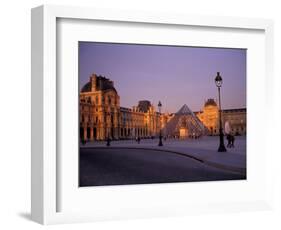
<point>108,141</point>
<point>228,137</point>
<point>228,133</point>
<point>232,139</point>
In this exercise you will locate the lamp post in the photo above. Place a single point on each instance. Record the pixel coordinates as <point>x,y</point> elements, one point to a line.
<point>160,134</point>
<point>108,131</point>
<point>218,81</point>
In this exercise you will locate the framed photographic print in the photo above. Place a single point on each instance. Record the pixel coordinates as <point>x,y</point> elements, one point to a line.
<point>137,114</point>
<point>129,136</point>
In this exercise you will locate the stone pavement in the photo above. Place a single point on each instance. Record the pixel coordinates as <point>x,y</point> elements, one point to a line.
<point>203,149</point>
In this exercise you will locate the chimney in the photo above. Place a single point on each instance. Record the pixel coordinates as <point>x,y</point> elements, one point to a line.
<point>101,80</point>
<point>93,80</point>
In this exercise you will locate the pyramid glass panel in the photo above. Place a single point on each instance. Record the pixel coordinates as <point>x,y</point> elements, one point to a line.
<point>185,124</point>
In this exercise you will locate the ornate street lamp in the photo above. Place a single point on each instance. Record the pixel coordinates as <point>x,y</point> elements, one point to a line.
<point>160,134</point>
<point>218,81</point>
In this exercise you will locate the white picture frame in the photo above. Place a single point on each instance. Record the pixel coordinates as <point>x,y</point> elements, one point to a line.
<point>46,182</point>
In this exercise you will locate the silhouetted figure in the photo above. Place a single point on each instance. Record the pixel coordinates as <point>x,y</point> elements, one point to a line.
<point>193,136</point>
<point>228,137</point>
<point>232,139</point>
<point>139,140</point>
<point>83,141</point>
<point>108,141</point>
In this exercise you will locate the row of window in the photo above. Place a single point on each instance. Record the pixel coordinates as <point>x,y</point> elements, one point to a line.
<point>89,119</point>
<point>110,100</point>
<point>239,129</point>
<point>127,132</point>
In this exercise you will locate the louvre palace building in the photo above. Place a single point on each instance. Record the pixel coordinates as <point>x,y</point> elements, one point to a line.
<point>102,117</point>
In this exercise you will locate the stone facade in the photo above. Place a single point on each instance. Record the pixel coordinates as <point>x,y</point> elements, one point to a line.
<point>209,116</point>
<point>99,109</point>
<point>138,123</point>
<point>236,119</point>
<point>102,117</point>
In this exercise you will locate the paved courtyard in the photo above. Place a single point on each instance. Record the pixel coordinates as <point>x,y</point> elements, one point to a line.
<point>127,162</point>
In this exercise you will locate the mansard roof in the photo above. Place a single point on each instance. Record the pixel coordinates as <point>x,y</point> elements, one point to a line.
<point>102,84</point>
<point>211,102</point>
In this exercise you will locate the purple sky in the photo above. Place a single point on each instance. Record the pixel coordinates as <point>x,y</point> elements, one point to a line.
<point>175,75</point>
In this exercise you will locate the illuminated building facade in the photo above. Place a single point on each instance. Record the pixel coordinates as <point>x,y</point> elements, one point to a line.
<point>102,117</point>
<point>236,118</point>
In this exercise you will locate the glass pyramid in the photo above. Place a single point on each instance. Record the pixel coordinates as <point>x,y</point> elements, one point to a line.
<point>185,124</point>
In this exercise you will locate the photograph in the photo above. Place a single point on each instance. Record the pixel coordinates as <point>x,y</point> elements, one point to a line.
<point>153,113</point>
